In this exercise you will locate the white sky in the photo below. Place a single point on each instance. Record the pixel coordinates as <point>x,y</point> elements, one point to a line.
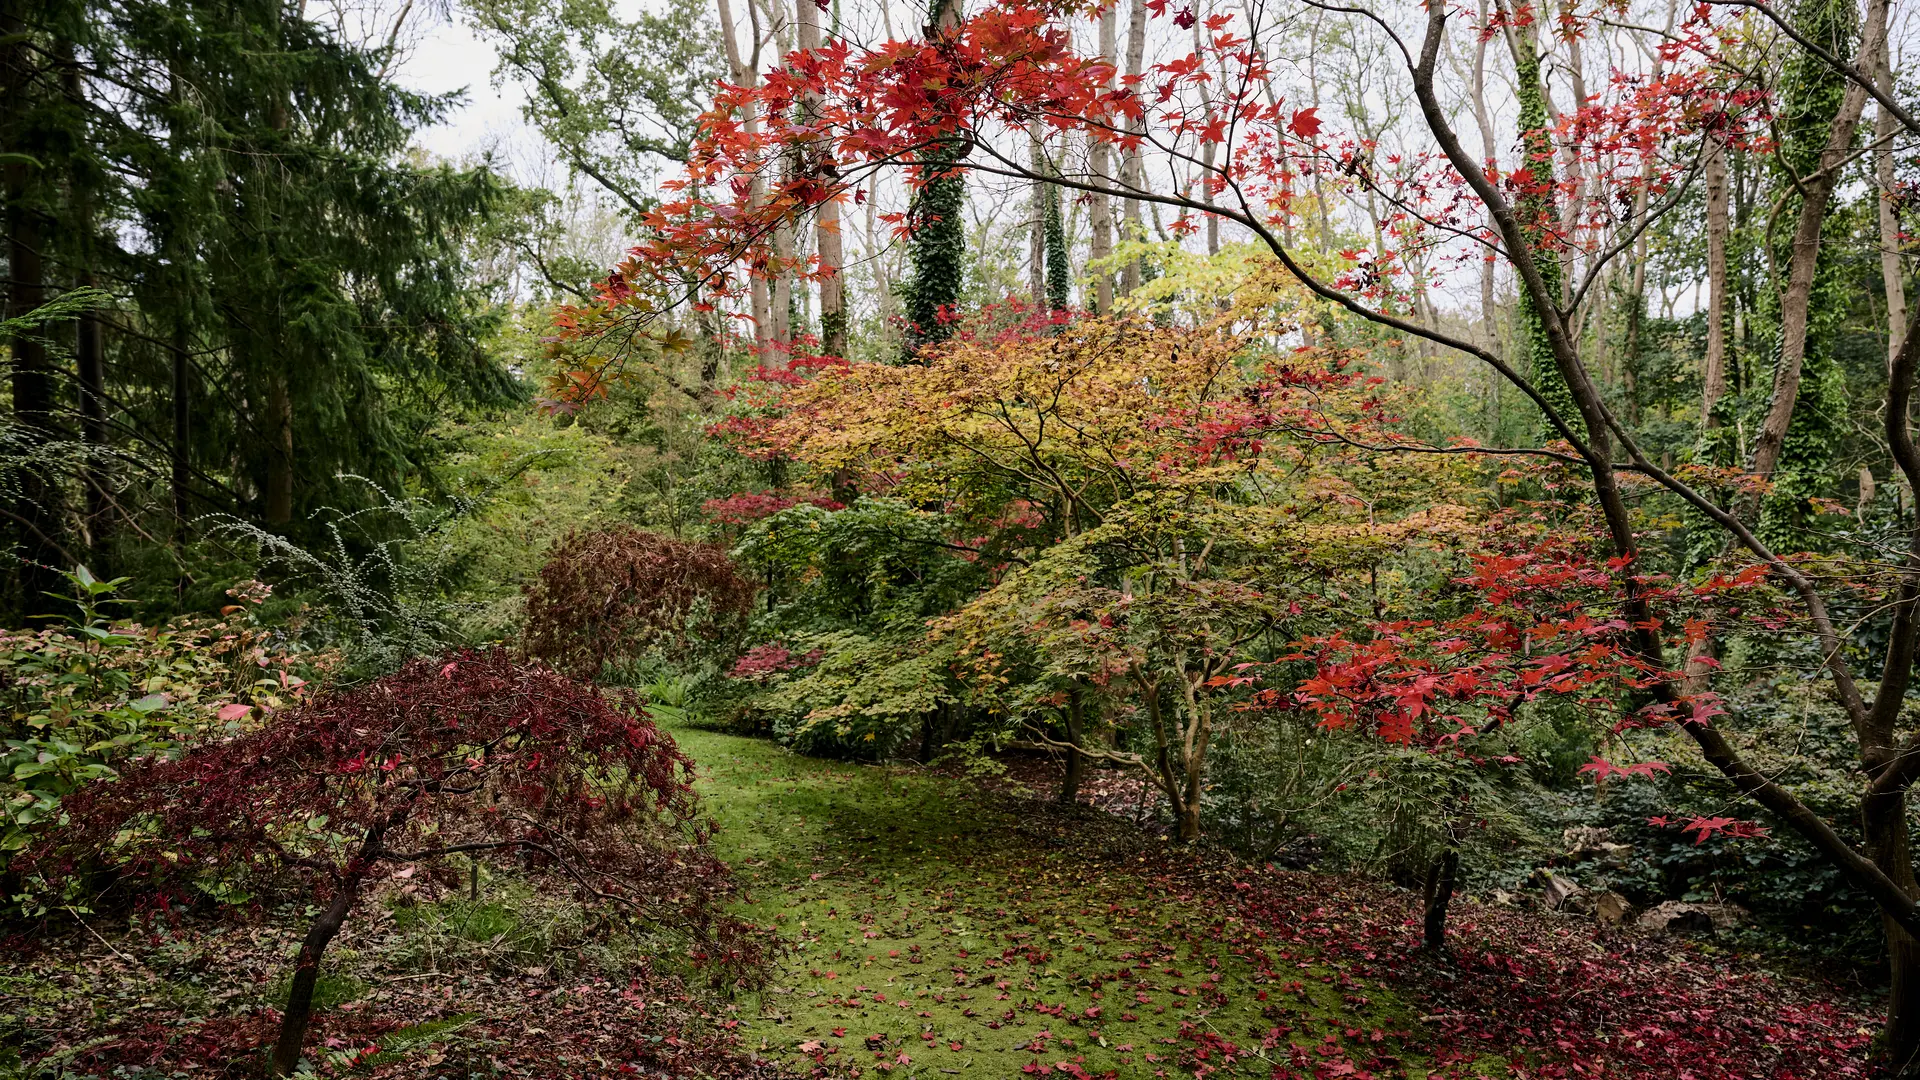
<point>448,56</point>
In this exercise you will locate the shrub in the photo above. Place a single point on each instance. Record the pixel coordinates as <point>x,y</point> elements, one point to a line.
<point>611,596</point>
<point>474,756</point>
<point>96,692</point>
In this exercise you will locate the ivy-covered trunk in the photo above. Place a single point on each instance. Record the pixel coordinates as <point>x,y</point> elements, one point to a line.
<point>1535,209</point>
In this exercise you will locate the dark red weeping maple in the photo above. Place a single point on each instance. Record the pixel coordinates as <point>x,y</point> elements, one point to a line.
<point>608,595</point>
<point>473,755</point>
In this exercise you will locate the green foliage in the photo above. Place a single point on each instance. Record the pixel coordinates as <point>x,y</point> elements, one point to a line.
<point>865,699</point>
<point>858,585</point>
<point>380,580</point>
<point>614,96</point>
<point>877,564</point>
<point>97,692</point>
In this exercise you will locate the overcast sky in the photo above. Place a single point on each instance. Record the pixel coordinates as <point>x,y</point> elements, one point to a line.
<point>447,56</point>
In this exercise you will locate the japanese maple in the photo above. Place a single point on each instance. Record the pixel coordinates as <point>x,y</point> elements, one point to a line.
<point>606,596</point>
<point>473,756</point>
<point>1573,203</point>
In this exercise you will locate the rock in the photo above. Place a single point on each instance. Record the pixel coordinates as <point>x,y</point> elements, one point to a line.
<point>1585,836</point>
<point>1565,894</point>
<point>1585,842</point>
<point>1681,917</point>
<point>1505,898</point>
<point>1612,909</point>
<point>1615,855</point>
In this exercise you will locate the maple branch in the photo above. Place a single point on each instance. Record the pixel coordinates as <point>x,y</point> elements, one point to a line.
<point>1751,782</point>
<point>1599,262</point>
<point>1853,74</point>
<point>1117,757</point>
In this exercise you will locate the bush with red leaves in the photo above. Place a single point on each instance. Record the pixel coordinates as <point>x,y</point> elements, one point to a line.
<point>609,595</point>
<point>472,755</point>
<point>747,507</point>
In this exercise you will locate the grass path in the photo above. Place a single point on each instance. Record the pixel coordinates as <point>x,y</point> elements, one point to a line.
<point>939,931</point>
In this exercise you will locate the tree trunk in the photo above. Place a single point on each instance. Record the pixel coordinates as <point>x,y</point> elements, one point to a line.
<point>1132,172</point>
<point>1037,232</point>
<point>1885,127</point>
<point>1796,300</point>
<point>1099,205</point>
<point>1714,383</point>
<point>280,448</point>
<point>90,363</point>
<point>1076,761</point>
<point>1442,876</point>
<point>306,971</point>
<point>1189,819</point>
<point>827,240</point>
<point>1194,758</point>
<point>88,348</point>
<point>35,509</point>
<point>1207,148</point>
<point>1883,821</point>
<point>782,331</point>
<point>181,450</point>
<point>1637,309</point>
<point>746,72</point>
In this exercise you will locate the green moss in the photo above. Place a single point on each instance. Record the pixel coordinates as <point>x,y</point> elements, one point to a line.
<point>928,920</point>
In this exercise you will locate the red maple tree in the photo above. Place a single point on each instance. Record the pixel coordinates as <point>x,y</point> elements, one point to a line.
<point>473,755</point>
<point>1583,190</point>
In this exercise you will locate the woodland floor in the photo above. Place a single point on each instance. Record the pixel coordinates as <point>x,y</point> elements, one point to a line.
<point>941,931</point>
<point>937,927</point>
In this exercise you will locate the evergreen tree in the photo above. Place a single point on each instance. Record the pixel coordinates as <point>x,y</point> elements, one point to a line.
<point>290,297</point>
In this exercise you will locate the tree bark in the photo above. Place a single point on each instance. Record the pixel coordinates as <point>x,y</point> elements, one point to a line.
<point>1132,171</point>
<point>1037,233</point>
<point>746,72</point>
<point>88,348</point>
<point>1816,194</point>
<point>306,970</point>
<point>1099,161</point>
<point>90,364</point>
<point>1714,382</point>
<point>1885,127</point>
<point>1884,822</point>
<point>36,506</point>
<point>1442,876</point>
<point>1076,761</point>
<point>1207,148</point>
<point>280,446</point>
<point>827,240</point>
<point>181,452</point>
<point>1637,302</point>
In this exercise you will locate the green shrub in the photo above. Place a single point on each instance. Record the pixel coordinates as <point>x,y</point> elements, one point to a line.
<point>93,692</point>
